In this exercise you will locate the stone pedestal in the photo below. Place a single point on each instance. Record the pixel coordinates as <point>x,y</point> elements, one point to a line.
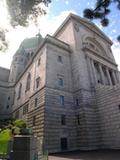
<point>24,148</point>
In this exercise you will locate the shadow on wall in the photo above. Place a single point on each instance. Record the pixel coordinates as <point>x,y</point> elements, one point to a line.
<point>87,155</point>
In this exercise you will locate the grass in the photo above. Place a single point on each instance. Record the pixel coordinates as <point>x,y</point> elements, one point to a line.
<point>5,136</point>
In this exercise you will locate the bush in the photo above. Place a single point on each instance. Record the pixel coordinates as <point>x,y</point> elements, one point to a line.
<point>19,123</point>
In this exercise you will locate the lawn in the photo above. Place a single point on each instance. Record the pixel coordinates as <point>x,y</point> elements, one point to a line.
<point>5,136</point>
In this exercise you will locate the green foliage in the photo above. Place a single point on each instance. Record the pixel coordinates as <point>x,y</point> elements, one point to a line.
<point>5,136</point>
<point>105,22</point>
<point>3,43</point>
<point>19,123</point>
<point>15,127</point>
<point>88,13</point>
<point>21,10</point>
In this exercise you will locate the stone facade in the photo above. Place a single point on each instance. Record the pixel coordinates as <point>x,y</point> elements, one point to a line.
<point>68,90</point>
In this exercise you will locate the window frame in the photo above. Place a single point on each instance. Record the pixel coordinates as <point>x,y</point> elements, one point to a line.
<point>25,109</point>
<point>63,119</point>
<point>60,59</point>
<point>60,81</point>
<point>38,82</point>
<point>39,62</point>
<point>19,91</point>
<point>28,82</point>
<point>36,102</point>
<point>62,100</point>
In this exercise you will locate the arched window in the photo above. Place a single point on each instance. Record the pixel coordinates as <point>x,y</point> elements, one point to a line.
<point>28,82</point>
<point>19,91</point>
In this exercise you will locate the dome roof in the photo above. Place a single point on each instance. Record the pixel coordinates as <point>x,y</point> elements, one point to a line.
<point>29,43</point>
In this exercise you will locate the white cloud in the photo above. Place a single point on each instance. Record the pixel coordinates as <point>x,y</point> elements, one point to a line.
<point>116,53</point>
<point>88,3</point>
<point>67,2</point>
<point>114,31</point>
<point>4,18</point>
<point>47,25</point>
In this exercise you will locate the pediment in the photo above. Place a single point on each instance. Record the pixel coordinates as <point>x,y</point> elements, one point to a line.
<point>94,46</point>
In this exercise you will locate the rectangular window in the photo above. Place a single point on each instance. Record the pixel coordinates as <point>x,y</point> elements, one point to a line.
<point>60,59</point>
<point>39,60</point>
<point>119,107</point>
<point>25,109</point>
<point>77,102</point>
<point>34,120</point>
<point>60,81</point>
<point>37,82</point>
<point>61,99</point>
<point>63,120</point>
<point>7,107</point>
<point>36,102</point>
<point>78,119</point>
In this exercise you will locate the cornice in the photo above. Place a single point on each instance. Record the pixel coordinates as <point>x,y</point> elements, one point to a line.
<point>101,57</point>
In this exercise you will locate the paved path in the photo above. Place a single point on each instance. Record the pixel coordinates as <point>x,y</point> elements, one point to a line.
<point>87,155</point>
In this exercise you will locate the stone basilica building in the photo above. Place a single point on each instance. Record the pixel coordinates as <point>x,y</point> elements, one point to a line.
<point>66,87</point>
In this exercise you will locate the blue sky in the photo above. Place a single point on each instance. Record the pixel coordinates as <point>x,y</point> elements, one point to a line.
<point>56,13</point>
<point>78,6</point>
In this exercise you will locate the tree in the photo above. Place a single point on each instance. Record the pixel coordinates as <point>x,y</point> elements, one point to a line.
<point>101,12</point>
<point>21,11</point>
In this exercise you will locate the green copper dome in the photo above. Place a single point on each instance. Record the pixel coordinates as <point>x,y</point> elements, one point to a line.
<point>29,43</point>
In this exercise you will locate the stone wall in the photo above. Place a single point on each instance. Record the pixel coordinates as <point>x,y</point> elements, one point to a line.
<point>36,71</point>
<point>6,100</point>
<point>4,74</point>
<point>108,105</point>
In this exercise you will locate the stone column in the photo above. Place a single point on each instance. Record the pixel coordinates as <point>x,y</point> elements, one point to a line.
<point>101,73</point>
<point>114,77</point>
<point>94,72</point>
<point>90,70</point>
<point>117,76</point>
<point>108,75</point>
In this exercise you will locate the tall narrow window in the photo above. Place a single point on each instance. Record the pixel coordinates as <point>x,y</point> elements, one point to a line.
<point>7,107</point>
<point>28,82</point>
<point>25,109</point>
<point>37,82</point>
<point>34,120</point>
<point>39,60</point>
<point>60,81</point>
<point>77,102</point>
<point>19,91</point>
<point>60,59</point>
<point>63,120</point>
<point>61,99</point>
<point>36,102</point>
<point>119,107</point>
<point>9,98</point>
<point>78,119</point>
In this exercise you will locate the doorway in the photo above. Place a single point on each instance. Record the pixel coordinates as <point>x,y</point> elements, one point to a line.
<point>64,144</point>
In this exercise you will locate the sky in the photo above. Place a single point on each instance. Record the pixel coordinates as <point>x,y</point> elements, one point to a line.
<point>57,11</point>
